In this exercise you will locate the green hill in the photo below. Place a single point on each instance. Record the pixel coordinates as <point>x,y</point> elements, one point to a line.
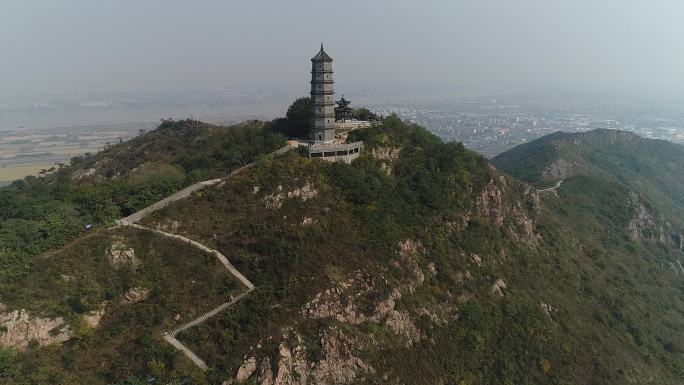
<point>651,168</point>
<point>417,263</point>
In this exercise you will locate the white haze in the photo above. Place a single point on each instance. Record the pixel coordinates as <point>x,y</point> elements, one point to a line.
<point>594,46</point>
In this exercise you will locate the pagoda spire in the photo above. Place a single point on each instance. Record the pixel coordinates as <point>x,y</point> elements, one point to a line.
<point>322,98</point>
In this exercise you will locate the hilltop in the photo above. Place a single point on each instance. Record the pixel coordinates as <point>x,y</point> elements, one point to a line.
<point>651,168</point>
<point>417,263</point>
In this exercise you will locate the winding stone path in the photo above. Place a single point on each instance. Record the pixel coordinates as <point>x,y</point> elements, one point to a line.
<point>130,220</point>
<point>200,246</point>
<point>170,199</point>
<point>554,188</point>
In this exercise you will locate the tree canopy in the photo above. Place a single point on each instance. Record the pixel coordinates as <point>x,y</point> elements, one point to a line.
<point>297,120</point>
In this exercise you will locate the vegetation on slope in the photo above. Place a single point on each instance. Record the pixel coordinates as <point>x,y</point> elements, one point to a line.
<point>497,286</point>
<point>361,214</point>
<point>81,278</point>
<point>652,168</point>
<point>43,213</point>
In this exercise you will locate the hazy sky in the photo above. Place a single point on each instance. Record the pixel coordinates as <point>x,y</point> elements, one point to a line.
<point>494,45</point>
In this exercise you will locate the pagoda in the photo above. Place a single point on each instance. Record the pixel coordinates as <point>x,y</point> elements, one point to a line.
<point>324,143</point>
<point>322,93</point>
<point>343,112</point>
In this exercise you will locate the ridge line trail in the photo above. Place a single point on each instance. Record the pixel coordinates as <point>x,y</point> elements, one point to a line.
<point>130,220</point>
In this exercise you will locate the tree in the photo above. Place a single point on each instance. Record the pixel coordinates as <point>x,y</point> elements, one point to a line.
<point>299,112</point>
<point>363,114</point>
<point>297,121</point>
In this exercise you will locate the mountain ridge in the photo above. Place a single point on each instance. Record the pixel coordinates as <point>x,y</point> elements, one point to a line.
<point>418,249</point>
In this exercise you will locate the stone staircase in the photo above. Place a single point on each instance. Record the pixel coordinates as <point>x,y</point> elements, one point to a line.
<point>131,220</point>
<point>184,193</point>
<point>207,315</point>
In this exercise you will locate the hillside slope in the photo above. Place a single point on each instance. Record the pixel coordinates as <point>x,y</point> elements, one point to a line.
<point>418,263</point>
<point>651,168</point>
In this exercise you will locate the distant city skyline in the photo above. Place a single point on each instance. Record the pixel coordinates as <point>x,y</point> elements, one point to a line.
<point>626,47</point>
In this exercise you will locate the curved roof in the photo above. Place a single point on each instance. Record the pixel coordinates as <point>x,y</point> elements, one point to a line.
<point>322,56</point>
<point>343,101</point>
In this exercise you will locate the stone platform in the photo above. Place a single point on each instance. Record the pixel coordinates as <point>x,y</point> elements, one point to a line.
<point>333,152</point>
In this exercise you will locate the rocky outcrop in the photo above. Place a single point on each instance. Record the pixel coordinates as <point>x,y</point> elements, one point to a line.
<point>307,221</point>
<point>386,153</point>
<point>361,298</point>
<point>19,329</point>
<point>525,225</point>
<point>643,225</point>
<point>386,156</point>
<point>135,295</point>
<point>275,200</point>
<point>402,325</point>
<point>85,174</point>
<point>246,370</point>
<point>499,287</point>
<point>120,254</point>
<point>93,318</point>
<point>558,169</point>
<point>492,205</point>
<point>338,363</point>
<point>342,302</point>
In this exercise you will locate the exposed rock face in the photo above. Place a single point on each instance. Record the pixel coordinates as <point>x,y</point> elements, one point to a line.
<point>512,216</point>
<point>490,204</point>
<point>266,372</point>
<point>21,329</point>
<point>304,193</point>
<point>275,201</point>
<point>338,363</point>
<point>307,221</point>
<point>643,225</point>
<point>402,324</point>
<point>360,298</point>
<point>387,155</point>
<point>559,169</point>
<point>525,225</point>
<point>85,174</point>
<point>93,318</point>
<point>246,370</point>
<point>135,295</point>
<point>340,302</point>
<point>119,254</point>
<point>499,287</point>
